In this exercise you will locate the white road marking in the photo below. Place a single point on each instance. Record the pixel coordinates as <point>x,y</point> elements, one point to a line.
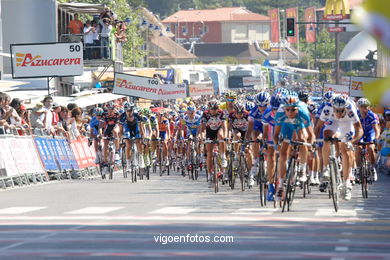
<point>344,240</point>
<point>173,210</point>
<point>337,258</point>
<point>94,210</point>
<point>331,212</point>
<point>346,233</point>
<point>341,249</point>
<point>257,211</point>
<point>19,210</point>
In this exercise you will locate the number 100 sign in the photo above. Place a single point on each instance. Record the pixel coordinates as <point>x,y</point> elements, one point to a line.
<point>46,60</point>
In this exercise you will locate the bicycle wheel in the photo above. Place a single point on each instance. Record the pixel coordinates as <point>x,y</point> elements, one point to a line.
<point>231,173</point>
<point>147,172</point>
<point>123,162</point>
<point>242,177</point>
<point>262,184</point>
<point>334,185</point>
<point>288,192</point>
<point>215,159</point>
<point>364,180</point>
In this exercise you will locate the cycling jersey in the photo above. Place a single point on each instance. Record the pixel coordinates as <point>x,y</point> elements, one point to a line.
<point>343,126</point>
<point>213,122</point>
<point>268,119</point>
<point>95,124</point>
<point>239,124</point>
<point>291,125</point>
<point>163,126</point>
<point>256,115</point>
<point>153,122</point>
<point>368,123</point>
<point>191,124</point>
<point>110,121</point>
<point>131,128</point>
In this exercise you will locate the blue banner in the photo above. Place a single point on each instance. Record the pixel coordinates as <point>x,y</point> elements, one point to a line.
<point>68,153</point>
<point>46,153</point>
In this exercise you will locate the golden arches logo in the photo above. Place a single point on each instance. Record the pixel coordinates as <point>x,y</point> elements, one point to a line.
<point>337,7</point>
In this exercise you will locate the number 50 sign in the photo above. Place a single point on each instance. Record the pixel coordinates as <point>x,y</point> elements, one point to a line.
<point>46,60</point>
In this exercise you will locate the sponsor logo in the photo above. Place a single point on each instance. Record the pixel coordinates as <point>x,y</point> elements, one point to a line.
<point>122,83</point>
<point>28,60</point>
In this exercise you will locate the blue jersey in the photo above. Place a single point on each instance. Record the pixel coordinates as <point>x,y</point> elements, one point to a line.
<point>256,116</point>
<point>369,121</point>
<point>94,124</point>
<point>192,123</point>
<point>268,117</point>
<point>301,120</point>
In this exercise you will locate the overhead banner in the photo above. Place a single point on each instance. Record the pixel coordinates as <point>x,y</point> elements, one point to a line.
<point>357,84</point>
<point>201,89</point>
<point>147,88</point>
<point>339,89</point>
<point>293,13</point>
<point>250,81</point>
<point>275,29</point>
<point>46,60</point>
<point>310,18</point>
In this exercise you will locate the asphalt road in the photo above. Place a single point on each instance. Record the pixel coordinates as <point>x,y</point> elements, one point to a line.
<point>83,218</point>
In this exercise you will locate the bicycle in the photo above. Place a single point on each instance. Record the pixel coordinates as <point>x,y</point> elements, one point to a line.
<point>365,173</point>
<point>216,163</point>
<point>123,158</point>
<point>335,177</point>
<point>111,154</point>
<point>243,171</point>
<point>147,157</point>
<point>134,167</point>
<point>261,175</point>
<point>292,175</point>
<point>193,167</point>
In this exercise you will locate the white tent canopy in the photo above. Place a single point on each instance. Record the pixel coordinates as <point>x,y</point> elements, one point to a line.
<point>358,47</point>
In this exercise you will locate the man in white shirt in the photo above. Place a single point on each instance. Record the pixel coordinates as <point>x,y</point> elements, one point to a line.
<point>105,37</point>
<point>47,106</point>
<point>88,40</point>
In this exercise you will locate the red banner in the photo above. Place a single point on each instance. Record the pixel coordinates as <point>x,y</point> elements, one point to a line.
<point>293,13</point>
<point>275,30</point>
<point>310,16</point>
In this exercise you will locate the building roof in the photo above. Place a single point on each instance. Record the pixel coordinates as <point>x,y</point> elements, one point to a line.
<point>212,15</point>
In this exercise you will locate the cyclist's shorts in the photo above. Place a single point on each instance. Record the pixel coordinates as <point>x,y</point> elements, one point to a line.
<point>368,136</point>
<point>343,129</point>
<point>258,126</point>
<point>192,132</point>
<point>242,133</point>
<point>287,131</point>
<point>211,134</point>
<point>108,131</point>
<point>163,136</point>
<point>131,132</point>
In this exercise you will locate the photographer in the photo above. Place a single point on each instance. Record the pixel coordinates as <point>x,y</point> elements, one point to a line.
<point>105,37</point>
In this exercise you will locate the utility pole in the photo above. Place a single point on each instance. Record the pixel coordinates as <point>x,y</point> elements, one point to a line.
<point>337,40</point>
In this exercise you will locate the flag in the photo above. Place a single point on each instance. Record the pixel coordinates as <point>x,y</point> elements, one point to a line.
<point>293,13</point>
<point>275,29</point>
<point>310,16</point>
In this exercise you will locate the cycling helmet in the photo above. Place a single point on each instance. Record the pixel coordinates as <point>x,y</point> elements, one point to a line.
<point>191,108</point>
<point>239,107</point>
<point>312,107</point>
<point>250,98</point>
<point>277,100</point>
<point>262,99</point>
<point>291,100</point>
<point>98,111</point>
<point>213,104</point>
<point>249,106</point>
<point>129,106</point>
<point>328,96</point>
<point>230,95</point>
<point>282,91</point>
<point>303,95</point>
<point>363,102</point>
<point>204,108</point>
<point>340,102</point>
<point>110,105</point>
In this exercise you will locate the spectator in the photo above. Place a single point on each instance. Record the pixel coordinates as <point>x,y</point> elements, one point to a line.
<point>55,111</point>
<point>71,106</point>
<point>63,122</point>
<point>48,104</point>
<point>76,26</point>
<point>24,115</point>
<point>96,40</point>
<point>15,118</point>
<point>37,118</point>
<point>76,123</point>
<point>88,40</point>
<point>3,114</point>
<point>120,33</point>
<point>105,37</point>
<point>107,14</point>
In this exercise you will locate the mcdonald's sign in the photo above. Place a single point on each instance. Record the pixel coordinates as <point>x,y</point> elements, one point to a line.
<point>336,10</point>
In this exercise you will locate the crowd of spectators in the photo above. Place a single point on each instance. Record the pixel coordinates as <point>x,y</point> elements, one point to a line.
<point>98,33</point>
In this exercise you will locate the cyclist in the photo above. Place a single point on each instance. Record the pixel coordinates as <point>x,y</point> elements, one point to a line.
<point>370,124</point>
<point>110,119</point>
<point>145,114</point>
<point>292,121</point>
<point>255,128</point>
<point>341,120</point>
<point>228,106</point>
<point>131,124</point>
<point>303,96</point>
<point>268,120</point>
<point>191,125</point>
<point>314,158</point>
<point>214,124</point>
<point>165,133</point>
<point>154,134</point>
<point>95,130</point>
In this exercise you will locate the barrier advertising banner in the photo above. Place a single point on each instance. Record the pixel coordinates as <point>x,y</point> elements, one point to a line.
<point>145,87</point>
<point>339,89</point>
<point>201,89</point>
<point>65,146</point>
<point>46,60</point>
<point>357,85</point>
<point>6,158</point>
<point>46,153</point>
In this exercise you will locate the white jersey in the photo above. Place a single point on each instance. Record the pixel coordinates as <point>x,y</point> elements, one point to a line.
<point>351,115</point>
